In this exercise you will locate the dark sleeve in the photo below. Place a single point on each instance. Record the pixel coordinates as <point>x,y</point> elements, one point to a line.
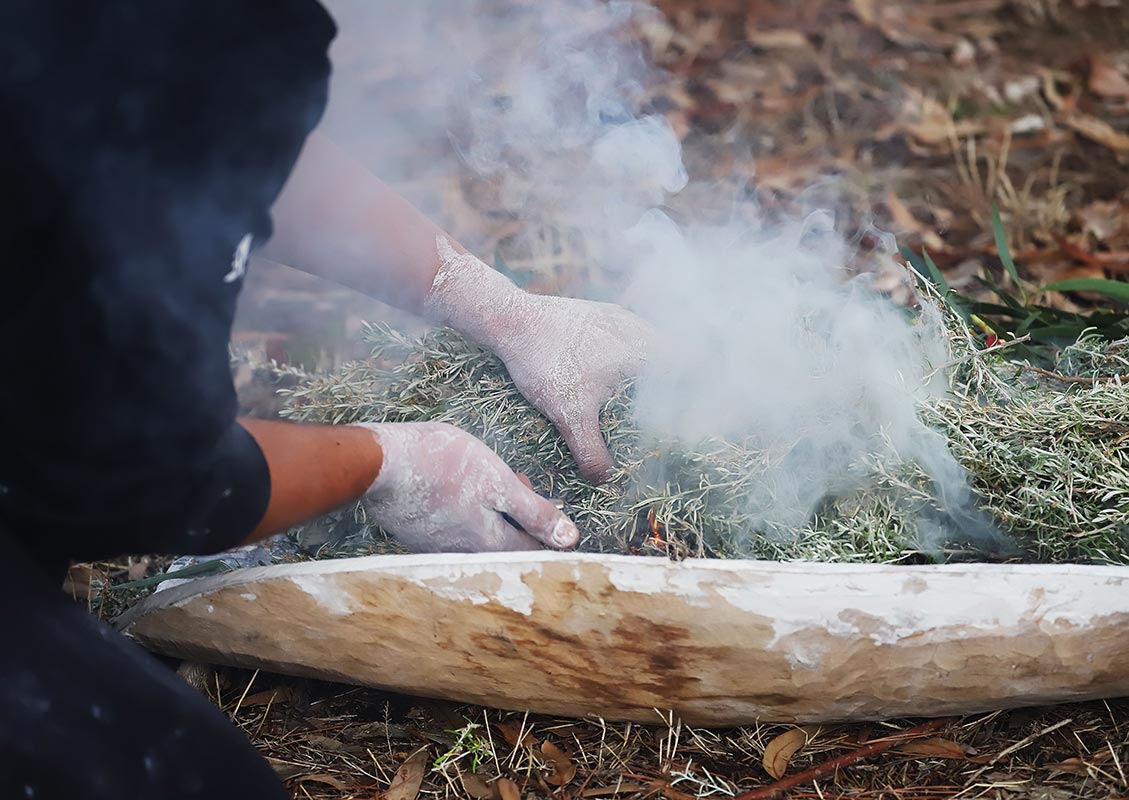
<point>141,145</point>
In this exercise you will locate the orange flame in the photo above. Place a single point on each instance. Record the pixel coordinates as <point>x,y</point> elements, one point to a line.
<point>656,531</point>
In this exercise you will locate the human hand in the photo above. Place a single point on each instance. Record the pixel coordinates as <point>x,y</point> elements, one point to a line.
<point>439,489</point>
<point>566,356</point>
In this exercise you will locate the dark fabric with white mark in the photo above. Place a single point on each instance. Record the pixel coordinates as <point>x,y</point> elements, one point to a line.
<point>140,144</point>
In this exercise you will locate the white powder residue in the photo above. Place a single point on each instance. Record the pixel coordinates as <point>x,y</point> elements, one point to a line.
<point>515,594</point>
<point>807,655</point>
<point>940,604</point>
<point>678,579</point>
<point>326,591</point>
<point>448,261</point>
<point>454,583</point>
<point>580,348</point>
<point>442,490</point>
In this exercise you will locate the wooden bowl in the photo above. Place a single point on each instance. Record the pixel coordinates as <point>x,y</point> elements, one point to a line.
<point>718,642</point>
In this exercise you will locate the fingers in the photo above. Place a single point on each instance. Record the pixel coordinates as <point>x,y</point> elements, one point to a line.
<point>539,517</point>
<point>493,536</point>
<point>510,538</point>
<point>587,445</point>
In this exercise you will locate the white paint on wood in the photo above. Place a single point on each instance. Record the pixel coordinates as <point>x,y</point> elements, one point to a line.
<point>719,642</point>
<point>328,593</point>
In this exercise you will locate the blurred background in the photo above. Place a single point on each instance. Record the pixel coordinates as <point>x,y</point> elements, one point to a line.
<point>911,118</point>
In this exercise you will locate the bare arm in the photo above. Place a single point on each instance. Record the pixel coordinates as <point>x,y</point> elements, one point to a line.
<point>313,469</point>
<point>430,485</point>
<point>336,219</point>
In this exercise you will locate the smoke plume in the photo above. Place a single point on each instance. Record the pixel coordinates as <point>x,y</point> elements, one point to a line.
<point>763,335</point>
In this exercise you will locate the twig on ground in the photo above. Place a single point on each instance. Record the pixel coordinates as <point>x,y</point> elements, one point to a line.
<point>1007,751</point>
<point>242,697</point>
<point>847,759</point>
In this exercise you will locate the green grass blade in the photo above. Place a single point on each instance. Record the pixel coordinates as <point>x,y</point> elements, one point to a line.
<point>522,278</point>
<point>1116,290</point>
<point>1001,244</point>
<point>1012,302</point>
<point>935,273</point>
<point>916,262</point>
<point>995,309</point>
<point>195,571</point>
<point>1069,333</point>
<point>1024,326</point>
<point>928,270</point>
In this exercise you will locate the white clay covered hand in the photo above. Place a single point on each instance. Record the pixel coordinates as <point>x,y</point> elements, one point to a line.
<point>440,489</point>
<point>566,356</point>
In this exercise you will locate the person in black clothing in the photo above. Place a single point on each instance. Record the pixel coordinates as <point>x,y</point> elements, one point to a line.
<point>146,150</point>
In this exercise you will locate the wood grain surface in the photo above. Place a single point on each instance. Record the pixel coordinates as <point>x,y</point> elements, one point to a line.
<point>717,642</point>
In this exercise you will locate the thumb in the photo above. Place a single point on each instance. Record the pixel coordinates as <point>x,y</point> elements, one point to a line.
<point>539,517</point>
<point>582,434</point>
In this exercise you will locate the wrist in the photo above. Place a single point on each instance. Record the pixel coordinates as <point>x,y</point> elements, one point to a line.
<point>477,301</point>
<point>386,448</point>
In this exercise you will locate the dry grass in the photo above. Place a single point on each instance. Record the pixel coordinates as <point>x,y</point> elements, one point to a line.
<point>1044,449</point>
<point>329,741</point>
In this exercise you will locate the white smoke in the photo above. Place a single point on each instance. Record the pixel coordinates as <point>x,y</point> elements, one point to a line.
<point>761,339</point>
<point>763,336</point>
<point>537,99</point>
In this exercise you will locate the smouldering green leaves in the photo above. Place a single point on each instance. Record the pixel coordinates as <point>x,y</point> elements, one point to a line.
<point>1045,455</point>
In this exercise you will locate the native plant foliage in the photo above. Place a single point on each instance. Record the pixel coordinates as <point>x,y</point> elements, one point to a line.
<point>1016,312</point>
<point>1044,447</point>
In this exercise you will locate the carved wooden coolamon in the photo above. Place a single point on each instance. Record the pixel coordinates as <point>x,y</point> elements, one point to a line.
<point>718,642</point>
